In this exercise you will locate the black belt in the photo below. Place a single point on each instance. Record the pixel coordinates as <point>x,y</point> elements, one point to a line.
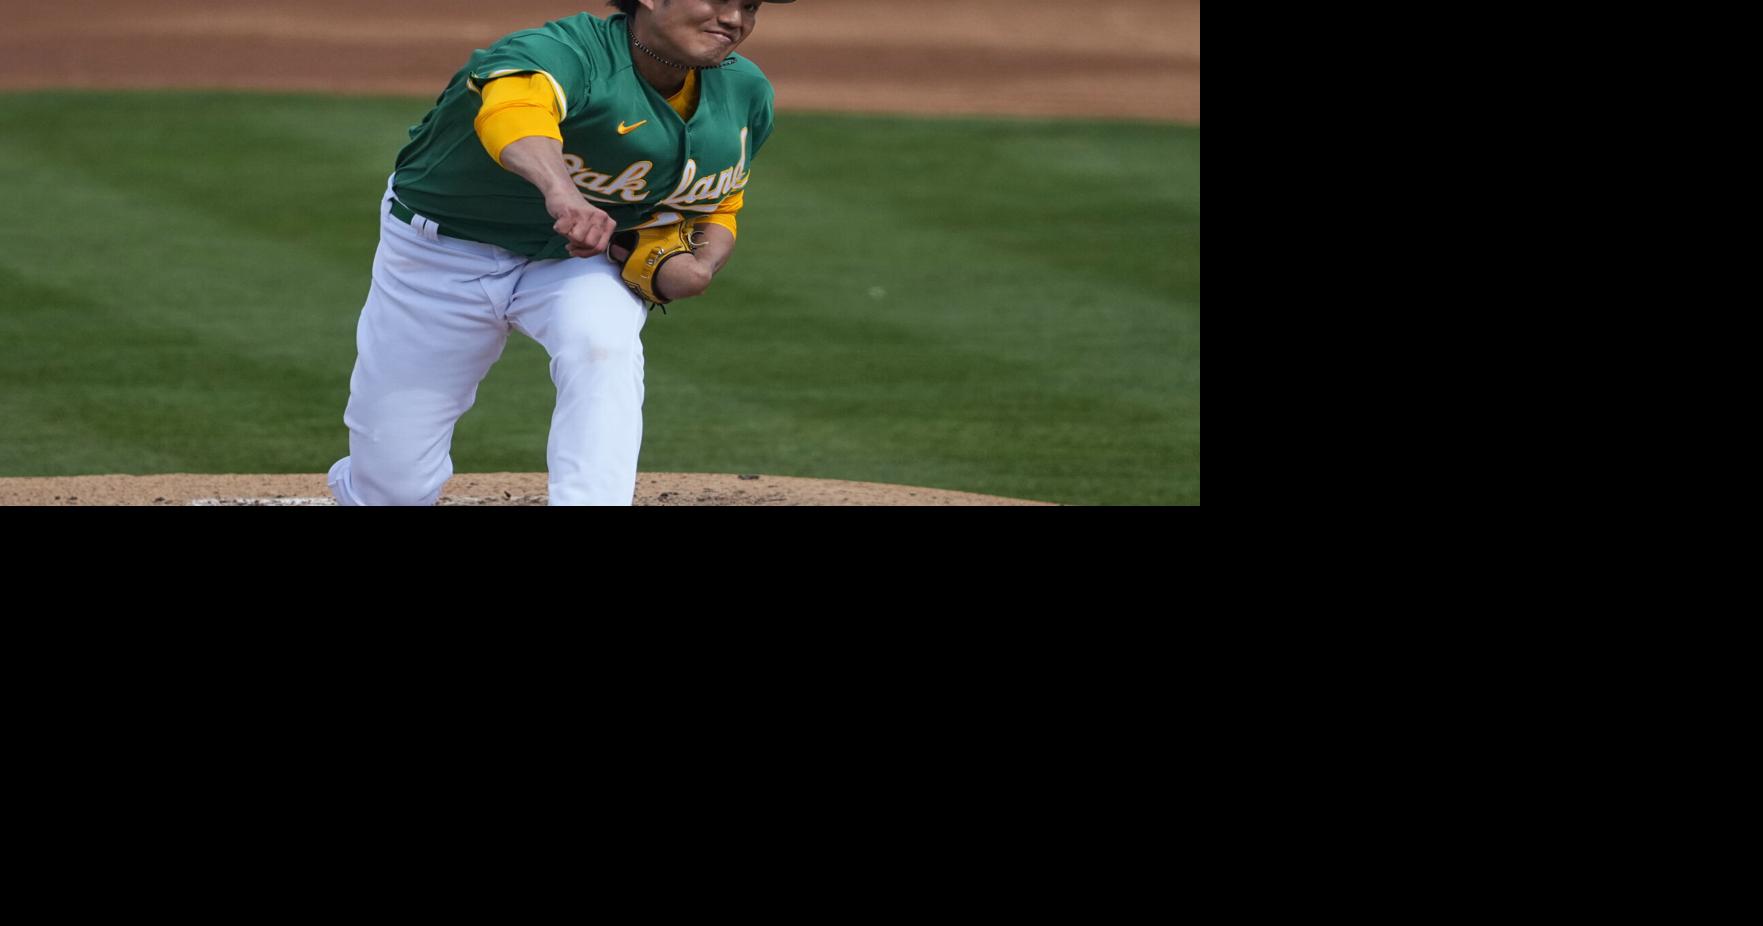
<point>404,214</point>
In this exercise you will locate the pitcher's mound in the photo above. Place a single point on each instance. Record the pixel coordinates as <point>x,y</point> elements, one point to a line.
<point>473,489</point>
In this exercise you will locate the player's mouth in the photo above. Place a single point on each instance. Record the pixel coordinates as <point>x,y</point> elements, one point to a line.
<point>724,36</point>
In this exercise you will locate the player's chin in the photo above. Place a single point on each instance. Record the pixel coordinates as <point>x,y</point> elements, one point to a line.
<point>715,51</point>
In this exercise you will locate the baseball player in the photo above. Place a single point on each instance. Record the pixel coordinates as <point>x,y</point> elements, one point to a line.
<point>569,179</point>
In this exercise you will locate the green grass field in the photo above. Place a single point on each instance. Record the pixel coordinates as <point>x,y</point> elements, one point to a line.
<point>1000,306</point>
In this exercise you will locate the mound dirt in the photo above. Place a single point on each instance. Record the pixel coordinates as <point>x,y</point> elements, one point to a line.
<point>501,489</point>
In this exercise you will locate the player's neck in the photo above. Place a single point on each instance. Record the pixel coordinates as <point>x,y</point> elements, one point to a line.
<point>665,76</point>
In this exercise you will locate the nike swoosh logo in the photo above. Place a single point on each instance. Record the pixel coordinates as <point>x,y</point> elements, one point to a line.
<point>627,129</point>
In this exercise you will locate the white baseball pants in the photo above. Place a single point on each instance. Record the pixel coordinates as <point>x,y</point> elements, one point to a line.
<point>436,320</point>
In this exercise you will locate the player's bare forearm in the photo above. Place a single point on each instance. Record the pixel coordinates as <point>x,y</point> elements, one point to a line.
<point>689,275</point>
<point>539,161</point>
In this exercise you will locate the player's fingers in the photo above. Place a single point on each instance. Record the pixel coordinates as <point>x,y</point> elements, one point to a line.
<point>596,223</point>
<point>599,233</point>
<point>589,231</point>
<point>569,232</point>
<point>579,248</point>
<point>572,218</point>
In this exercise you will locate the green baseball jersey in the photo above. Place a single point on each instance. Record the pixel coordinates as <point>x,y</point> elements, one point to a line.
<point>630,153</point>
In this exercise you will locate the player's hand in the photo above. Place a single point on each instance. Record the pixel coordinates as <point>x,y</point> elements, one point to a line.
<point>588,229</point>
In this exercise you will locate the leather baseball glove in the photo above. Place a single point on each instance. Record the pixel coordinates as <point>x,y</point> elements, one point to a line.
<point>648,250</point>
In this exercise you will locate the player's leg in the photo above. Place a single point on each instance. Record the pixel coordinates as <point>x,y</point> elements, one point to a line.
<point>428,335</point>
<point>591,325</point>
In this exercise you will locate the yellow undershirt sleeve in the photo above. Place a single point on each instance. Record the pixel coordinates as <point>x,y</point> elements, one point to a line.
<point>725,212</point>
<point>516,107</point>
